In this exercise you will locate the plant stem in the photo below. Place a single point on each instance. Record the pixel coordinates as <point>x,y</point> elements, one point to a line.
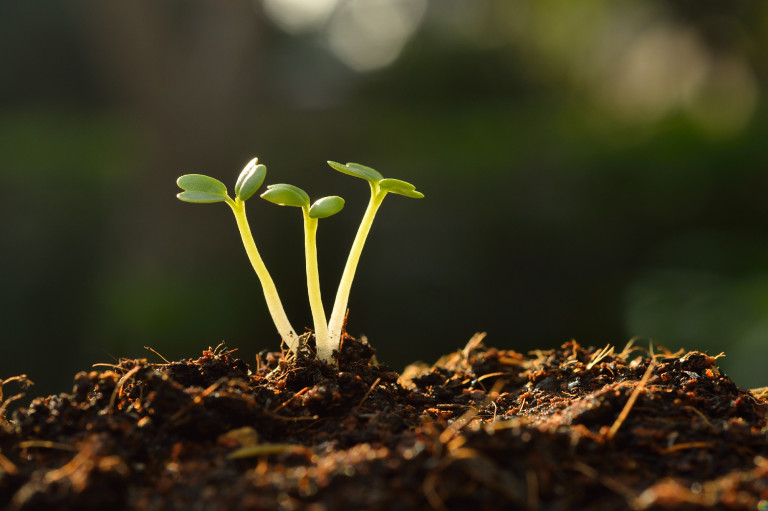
<point>274,304</point>
<point>336,322</point>
<point>324,350</point>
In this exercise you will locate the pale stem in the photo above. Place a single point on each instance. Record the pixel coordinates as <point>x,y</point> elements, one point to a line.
<point>267,284</point>
<point>342,295</point>
<point>324,350</point>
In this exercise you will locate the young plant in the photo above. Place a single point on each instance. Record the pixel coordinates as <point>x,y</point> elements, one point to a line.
<point>203,189</point>
<point>380,187</point>
<point>289,195</point>
<point>198,188</point>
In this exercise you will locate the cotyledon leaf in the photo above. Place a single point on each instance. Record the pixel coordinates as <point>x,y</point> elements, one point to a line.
<point>400,187</point>
<point>201,189</point>
<point>327,206</point>
<point>250,179</point>
<point>286,195</point>
<point>357,170</point>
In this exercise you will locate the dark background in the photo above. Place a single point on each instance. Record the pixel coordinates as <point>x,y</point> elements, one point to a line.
<point>592,170</point>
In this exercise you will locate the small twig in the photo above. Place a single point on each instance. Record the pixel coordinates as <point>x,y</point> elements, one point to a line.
<point>629,348</point>
<point>366,394</point>
<point>760,392</point>
<point>47,444</point>
<point>490,375</point>
<point>473,343</point>
<point>631,401</point>
<point>4,405</point>
<point>287,418</point>
<point>80,459</point>
<point>687,445</point>
<point>210,389</point>
<point>600,355</point>
<point>574,351</point>
<point>198,399</point>
<point>285,403</point>
<point>457,425</point>
<point>156,353</point>
<point>700,414</point>
<point>22,379</point>
<point>119,388</point>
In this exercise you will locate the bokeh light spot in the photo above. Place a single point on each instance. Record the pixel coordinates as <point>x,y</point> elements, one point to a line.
<point>297,16</point>
<point>370,34</point>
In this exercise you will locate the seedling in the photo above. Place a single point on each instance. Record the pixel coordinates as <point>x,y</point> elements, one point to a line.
<point>203,189</point>
<point>380,187</point>
<point>289,195</point>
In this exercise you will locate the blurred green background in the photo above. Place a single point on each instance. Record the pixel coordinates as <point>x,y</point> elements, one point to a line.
<point>593,170</point>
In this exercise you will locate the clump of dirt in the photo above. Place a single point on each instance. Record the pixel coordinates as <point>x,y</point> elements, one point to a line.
<point>483,428</point>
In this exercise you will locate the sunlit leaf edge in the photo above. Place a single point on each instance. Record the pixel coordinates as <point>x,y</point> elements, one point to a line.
<point>357,170</point>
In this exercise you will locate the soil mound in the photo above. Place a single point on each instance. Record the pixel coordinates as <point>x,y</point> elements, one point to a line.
<point>483,428</point>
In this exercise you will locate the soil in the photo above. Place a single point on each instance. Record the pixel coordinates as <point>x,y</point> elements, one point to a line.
<point>483,428</point>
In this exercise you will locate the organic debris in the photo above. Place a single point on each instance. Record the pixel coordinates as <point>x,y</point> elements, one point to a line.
<point>562,429</point>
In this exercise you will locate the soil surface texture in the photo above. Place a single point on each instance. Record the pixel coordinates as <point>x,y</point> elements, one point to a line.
<point>564,429</point>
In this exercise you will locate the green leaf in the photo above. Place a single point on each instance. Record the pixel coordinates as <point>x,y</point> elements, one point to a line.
<point>357,170</point>
<point>327,206</point>
<point>201,189</point>
<point>286,195</point>
<point>250,180</point>
<point>200,197</point>
<point>400,188</point>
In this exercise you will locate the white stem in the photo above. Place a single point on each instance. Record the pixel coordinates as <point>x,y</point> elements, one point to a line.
<point>267,284</point>
<point>336,322</point>
<point>313,288</point>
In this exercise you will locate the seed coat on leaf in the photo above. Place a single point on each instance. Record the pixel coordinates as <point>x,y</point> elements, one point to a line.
<point>250,180</point>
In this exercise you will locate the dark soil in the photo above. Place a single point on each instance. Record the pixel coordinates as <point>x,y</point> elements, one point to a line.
<point>565,429</point>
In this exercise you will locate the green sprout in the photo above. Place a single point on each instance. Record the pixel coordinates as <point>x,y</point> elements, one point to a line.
<point>198,188</point>
<point>203,189</point>
<point>380,187</point>
<point>289,195</point>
